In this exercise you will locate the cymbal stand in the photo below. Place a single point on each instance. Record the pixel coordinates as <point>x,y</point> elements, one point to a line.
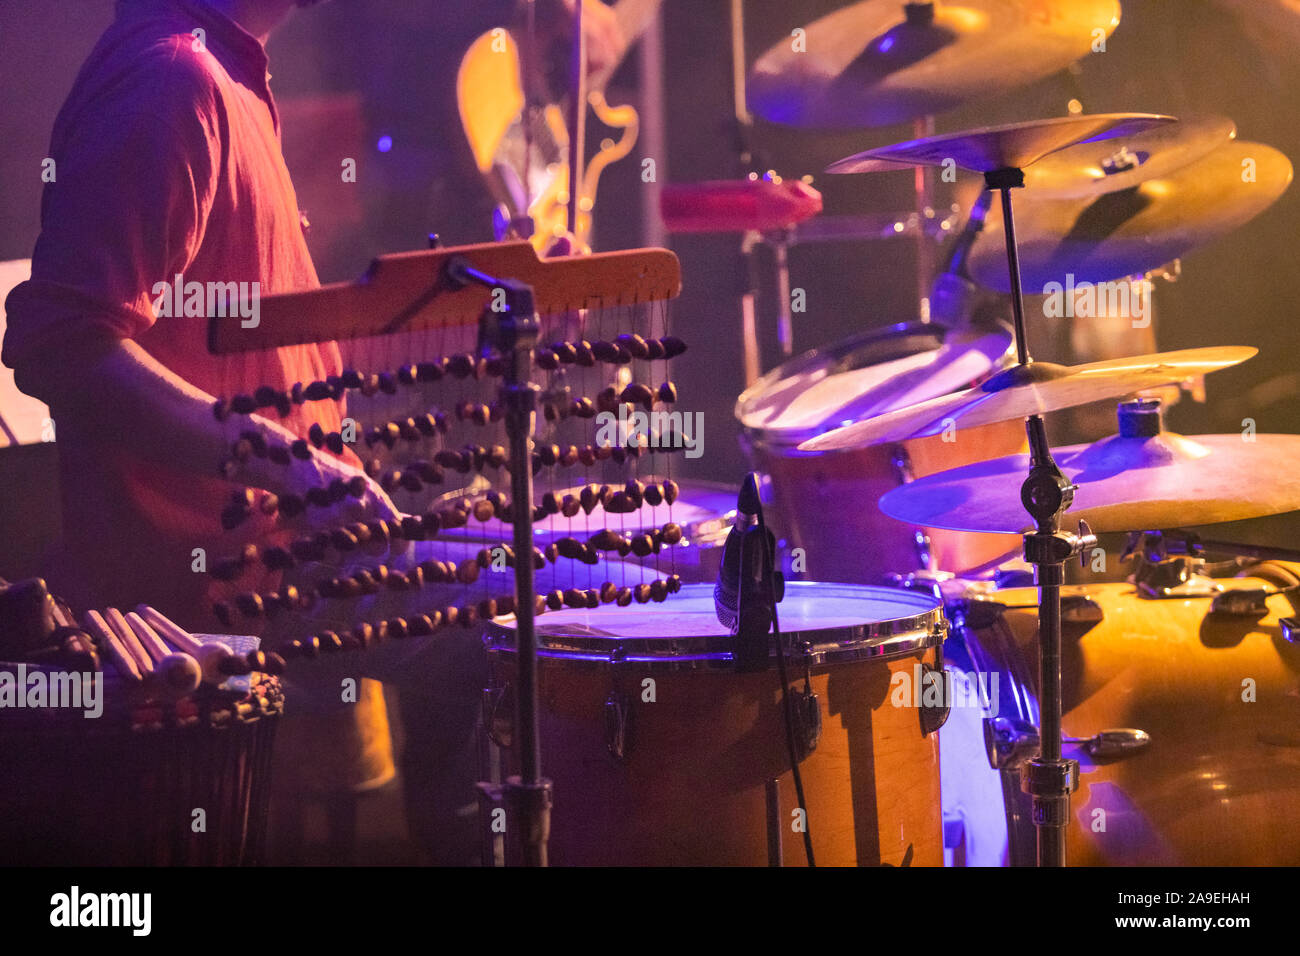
<point>1046,494</point>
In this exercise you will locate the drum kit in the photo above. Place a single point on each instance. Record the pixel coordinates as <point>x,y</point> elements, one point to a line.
<point>1120,722</point>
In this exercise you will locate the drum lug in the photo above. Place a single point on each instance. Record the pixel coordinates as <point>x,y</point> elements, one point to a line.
<point>807,719</point>
<point>934,716</point>
<point>617,740</point>
<point>1290,629</point>
<point>1241,602</point>
<point>1009,742</point>
<point>497,707</point>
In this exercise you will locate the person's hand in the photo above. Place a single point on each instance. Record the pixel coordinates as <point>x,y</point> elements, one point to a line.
<point>320,472</point>
<point>606,44</point>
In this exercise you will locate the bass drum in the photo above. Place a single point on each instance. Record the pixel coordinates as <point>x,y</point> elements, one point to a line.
<point>661,753</point>
<point>825,503</point>
<point>1215,683</point>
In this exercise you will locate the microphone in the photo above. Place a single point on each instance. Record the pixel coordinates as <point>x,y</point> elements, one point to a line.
<point>953,295</point>
<point>748,584</point>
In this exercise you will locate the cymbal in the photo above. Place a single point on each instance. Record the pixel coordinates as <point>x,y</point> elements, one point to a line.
<point>1124,484</point>
<point>880,62</point>
<point>999,147</point>
<point>1090,169</point>
<point>1032,389</point>
<point>1132,231</point>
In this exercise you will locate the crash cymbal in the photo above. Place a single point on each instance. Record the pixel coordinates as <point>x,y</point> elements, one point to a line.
<point>1034,389</point>
<point>1124,484</point>
<point>1132,231</point>
<point>1000,147</point>
<point>880,62</point>
<point>1121,162</point>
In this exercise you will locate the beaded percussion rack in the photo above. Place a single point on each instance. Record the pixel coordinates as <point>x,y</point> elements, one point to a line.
<point>418,375</point>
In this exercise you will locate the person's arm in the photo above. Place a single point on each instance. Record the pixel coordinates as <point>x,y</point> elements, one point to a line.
<point>159,417</point>
<point>133,189</point>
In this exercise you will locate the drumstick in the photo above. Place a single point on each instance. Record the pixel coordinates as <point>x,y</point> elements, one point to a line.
<point>132,643</point>
<point>180,672</point>
<point>209,656</point>
<point>113,648</point>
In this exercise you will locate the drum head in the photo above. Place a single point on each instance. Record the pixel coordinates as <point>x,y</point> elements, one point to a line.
<point>865,376</point>
<point>840,621</point>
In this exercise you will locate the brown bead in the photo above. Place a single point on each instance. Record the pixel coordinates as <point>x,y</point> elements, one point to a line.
<point>506,604</point>
<point>487,609</point>
<point>593,599</point>
<point>570,548</point>
<point>643,545</point>
<point>653,495</point>
<point>551,503</point>
<point>608,592</point>
<point>606,539</point>
<point>588,498</point>
<point>467,571</point>
<point>674,583</point>
<point>642,593</point>
<point>624,597</point>
<point>673,346</point>
<point>540,605</point>
<point>635,345</point>
<point>575,598</point>
<point>569,457</point>
<point>671,533</point>
<point>484,511</point>
<point>250,605</point>
<point>398,628</point>
<point>467,616</point>
<point>638,394</point>
<point>607,399</point>
<point>552,553</point>
<point>546,359</point>
<point>421,625</point>
<point>658,591</point>
<point>671,490</point>
<point>570,506</point>
<point>555,600</point>
<point>667,393</point>
<point>587,455</point>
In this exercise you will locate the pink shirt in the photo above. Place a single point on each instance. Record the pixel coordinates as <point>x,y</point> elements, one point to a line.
<point>168,161</point>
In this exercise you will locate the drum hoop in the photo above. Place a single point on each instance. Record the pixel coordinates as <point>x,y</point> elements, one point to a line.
<point>870,640</point>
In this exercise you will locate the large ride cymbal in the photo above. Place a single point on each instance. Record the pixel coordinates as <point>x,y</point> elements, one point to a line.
<point>1124,484</point>
<point>1090,169</point>
<point>1132,231</point>
<point>880,62</point>
<point>1011,145</point>
<point>1033,389</point>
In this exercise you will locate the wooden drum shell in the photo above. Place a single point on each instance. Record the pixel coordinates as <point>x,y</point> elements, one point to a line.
<point>690,789</point>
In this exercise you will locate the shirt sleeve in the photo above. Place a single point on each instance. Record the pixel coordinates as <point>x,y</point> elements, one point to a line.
<point>135,173</point>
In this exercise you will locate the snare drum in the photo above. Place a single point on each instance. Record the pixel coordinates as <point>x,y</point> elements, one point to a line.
<point>825,503</point>
<point>661,753</point>
<point>1218,693</point>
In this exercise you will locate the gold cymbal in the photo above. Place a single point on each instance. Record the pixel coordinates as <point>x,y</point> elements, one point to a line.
<point>1124,484</point>
<point>880,62</point>
<point>1000,147</point>
<point>1132,231</point>
<point>1090,169</point>
<point>1033,389</point>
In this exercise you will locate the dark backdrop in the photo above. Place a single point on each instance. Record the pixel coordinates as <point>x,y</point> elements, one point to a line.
<point>395,61</point>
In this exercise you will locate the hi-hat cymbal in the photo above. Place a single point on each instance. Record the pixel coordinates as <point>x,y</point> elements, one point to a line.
<point>1132,231</point>
<point>1000,147</point>
<point>880,62</point>
<point>1090,169</point>
<point>1124,484</point>
<point>1032,389</point>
